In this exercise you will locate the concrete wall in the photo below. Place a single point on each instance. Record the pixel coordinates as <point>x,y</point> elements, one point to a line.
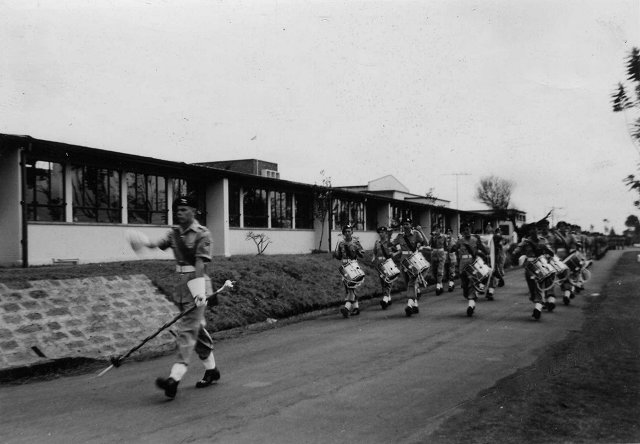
<point>89,243</point>
<point>283,241</point>
<point>10,209</point>
<point>218,216</point>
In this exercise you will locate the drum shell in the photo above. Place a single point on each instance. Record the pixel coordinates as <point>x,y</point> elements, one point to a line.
<point>477,269</point>
<point>573,262</point>
<point>351,272</point>
<point>415,264</point>
<point>540,269</point>
<point>388,270</point>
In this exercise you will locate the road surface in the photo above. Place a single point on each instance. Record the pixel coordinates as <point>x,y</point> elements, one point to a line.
<point>377,378</point>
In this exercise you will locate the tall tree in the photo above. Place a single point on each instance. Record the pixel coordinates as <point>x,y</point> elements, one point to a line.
<point>632,221</point>
<point>494,192</point>
<point>622,102</point>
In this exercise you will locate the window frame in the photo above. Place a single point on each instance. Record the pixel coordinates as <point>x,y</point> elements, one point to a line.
<point>112,209</point>
<point>32,201</point>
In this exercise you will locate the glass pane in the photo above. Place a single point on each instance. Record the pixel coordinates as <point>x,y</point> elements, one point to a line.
<point>57,183</point>
<point>162,194</point>
<point>234,205</point>
<point>76,185</point>
<point>159,218</point>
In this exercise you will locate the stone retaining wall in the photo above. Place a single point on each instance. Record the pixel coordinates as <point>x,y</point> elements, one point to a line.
<point>94,317</point>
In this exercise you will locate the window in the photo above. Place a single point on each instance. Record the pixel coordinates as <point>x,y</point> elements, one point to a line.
<point>254,206</point>
<point>398,213</point>
<point>348,212</point>
<point>45,191</point>
<point>372,216</point>
<point>304,211</point>
<point>438,219</point>
<point>96,194</point>
<point>281,211</point>
<point>234,204</point>
<point>146,199</point>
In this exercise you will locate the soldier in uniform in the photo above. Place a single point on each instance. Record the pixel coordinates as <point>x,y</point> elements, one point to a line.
<point>408,242</point>
<point>347,250</point>
<point>564,245</point>
<point>467,249</point>
<point>439,248</point>
<point>451,261</point>
<point>498,244</point>
<point>530,248</point>
<point>548,296</point>
<point>191,245</point>
<point>383,250</point>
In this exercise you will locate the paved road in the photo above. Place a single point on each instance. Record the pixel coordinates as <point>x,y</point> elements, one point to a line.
<point>376,378</point>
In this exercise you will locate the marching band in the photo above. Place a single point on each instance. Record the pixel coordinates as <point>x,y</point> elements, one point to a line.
<point>551,257</point>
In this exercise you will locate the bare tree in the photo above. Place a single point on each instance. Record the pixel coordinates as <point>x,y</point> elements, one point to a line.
<point>261,240</point>
<point>494,192</point>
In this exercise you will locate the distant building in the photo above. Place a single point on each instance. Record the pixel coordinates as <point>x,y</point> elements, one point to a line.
<point>68,203</point>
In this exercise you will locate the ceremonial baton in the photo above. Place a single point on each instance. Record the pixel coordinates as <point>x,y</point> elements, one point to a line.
<point>116,361</point>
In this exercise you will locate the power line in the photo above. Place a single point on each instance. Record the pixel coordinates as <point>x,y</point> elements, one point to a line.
<point>457,176</point>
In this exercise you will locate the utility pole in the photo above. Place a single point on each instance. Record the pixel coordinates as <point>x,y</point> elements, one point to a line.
<point>457,176</point>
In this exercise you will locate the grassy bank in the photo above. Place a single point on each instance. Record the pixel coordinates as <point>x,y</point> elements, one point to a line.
<point>585,389</point>
<point>275,287</point>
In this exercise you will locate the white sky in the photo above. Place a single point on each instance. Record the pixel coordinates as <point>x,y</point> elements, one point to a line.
<point>359,89</point>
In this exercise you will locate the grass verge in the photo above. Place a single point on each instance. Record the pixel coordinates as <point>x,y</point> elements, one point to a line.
<point>584,389</point>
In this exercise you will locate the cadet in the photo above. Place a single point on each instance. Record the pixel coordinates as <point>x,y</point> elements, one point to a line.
<point>191,245</point>
<point>408,242</point>
<point>349,249</point>
<point>439,248</point>
<point>467,249</point>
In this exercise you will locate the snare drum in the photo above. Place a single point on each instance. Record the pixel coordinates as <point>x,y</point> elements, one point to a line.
<point>415,264</point>
<point>540,268</point>
<point>388,270</point>
<point>573,262</point>
<point>352,274</point>
<point>477,270</point>
<point>557,264</point>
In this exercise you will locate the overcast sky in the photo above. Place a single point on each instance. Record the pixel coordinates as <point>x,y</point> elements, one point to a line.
<point>416,89</point>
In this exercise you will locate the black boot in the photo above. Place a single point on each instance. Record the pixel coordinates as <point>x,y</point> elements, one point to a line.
<point>169,385</point>
<point>210,376</point>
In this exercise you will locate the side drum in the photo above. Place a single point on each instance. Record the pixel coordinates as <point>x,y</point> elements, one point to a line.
<point>352,274</point>
<point>415,264</point>
<point>388,270</point>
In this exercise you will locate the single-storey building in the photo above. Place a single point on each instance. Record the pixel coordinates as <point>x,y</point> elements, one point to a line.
<point>68,203</point>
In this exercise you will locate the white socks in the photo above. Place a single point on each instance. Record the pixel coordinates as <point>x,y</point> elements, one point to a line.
<point>538,306</point>
<point>177,371</point>
<point>210,362</point>
<point>472,303</point>
<point>412,303</point>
